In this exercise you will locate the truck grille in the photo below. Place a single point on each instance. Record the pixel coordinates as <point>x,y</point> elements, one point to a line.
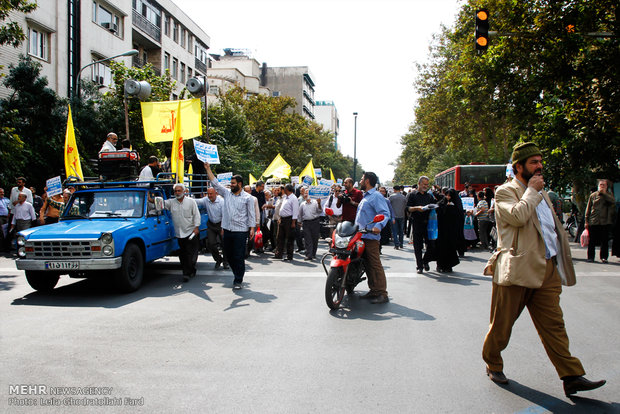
<point>61,249</point>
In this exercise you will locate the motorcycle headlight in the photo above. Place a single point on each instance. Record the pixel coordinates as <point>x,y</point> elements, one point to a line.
<point>341,242</point>
<point>106,238</point>
<point>107,250</point>
<point>21,240</point>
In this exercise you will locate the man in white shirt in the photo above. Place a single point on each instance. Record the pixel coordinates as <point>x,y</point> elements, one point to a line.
<point>214,205</point>
<point>238,221</point>
<point>289,210</point>
<point>110,144</point>
<point>19,188</point>
<point>309,213</point>
<point>186,220</point>
<point>150,171</point>
<point>23,214</point>
<point>332,202</point>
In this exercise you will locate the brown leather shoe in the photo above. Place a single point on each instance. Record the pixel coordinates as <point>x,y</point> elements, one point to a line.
<point>576,384</point>
<point>368,295</point>
<point>497,376</point>
<point>379,299</point>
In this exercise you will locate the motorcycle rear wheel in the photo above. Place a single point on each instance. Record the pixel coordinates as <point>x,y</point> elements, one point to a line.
<point>334,289</point>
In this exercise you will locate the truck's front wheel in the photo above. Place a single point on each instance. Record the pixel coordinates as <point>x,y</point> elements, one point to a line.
<point>42,281</point>
<point>129,276</point>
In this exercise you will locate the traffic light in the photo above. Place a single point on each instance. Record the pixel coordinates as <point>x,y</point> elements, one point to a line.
<point>482,29</point>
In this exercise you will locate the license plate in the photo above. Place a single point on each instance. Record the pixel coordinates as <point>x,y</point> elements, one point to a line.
<point>62,265</point>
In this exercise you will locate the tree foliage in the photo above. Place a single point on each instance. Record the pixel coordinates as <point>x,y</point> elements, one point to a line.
<point>11,32</point>
<point>549,83</point>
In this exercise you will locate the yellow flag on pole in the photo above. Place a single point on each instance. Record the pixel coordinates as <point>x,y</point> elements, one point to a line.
<point>308,171</point>
<point>72,157</point>
<point>159,119</point>
<point>278,168</point>
<point>177,160</point>
<point>252,179</point>
<point>331,175</point>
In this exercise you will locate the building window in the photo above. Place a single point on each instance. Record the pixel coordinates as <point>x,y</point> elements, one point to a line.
<point>38,43</point>
<point>166,61</point>
<point>175,96</point>
<point>175,68</point>
<point>108,19</point>
<point>190,42</point>
<point>101,74</point>
<point>167,25</point>
<point>152,14</point>
<point>182,72</point>
<point>175,32</point>
<point>189,73</point>
<point>182,37</point>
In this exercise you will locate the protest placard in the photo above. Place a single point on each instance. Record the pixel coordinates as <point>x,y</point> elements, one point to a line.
<point>325,181</point>
<point>54,186</point>
<point>317,172</point>
<point>206,152</point>
<point>307,180</point>
<point>339,181</point>
<point>224,178</point>
<point>295,179</point>
<point>318,191</point>
<point>468,203</point>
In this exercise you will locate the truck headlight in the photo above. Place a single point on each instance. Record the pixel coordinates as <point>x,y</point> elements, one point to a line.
<point>106,238</point>
<point>21,241</point>
<point>107,250</point>
<point>21,252</point>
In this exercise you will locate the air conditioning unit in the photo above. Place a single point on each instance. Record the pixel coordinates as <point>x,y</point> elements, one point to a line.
<point>112,27</point>
<point>275,93</point>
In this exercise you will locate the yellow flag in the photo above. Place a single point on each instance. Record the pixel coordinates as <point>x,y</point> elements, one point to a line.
<point>278,168</point>
<point>159,119</point>
<point>331,175</point>
<point>177,160</point>
<point>72,157</point>
<point>309,171</point>
<point>252,179</point>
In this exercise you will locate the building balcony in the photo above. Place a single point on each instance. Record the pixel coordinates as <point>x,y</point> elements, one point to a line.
<point>147,27</point>
<point>200,66</point>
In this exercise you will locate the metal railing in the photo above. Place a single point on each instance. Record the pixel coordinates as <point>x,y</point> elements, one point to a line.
<point>149,28</point>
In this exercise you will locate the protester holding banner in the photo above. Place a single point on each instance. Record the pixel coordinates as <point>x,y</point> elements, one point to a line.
<point>238,221</point>
<point>332,202</point>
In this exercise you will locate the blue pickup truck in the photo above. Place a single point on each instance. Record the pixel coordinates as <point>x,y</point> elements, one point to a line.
<point>110,230</point>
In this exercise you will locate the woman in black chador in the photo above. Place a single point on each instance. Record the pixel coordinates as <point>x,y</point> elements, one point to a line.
<point>450,222</point>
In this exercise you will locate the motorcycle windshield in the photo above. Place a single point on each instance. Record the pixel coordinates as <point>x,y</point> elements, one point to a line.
<point>346,229</point>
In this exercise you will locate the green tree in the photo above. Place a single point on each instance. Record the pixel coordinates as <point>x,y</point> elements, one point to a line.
<point>33,126</point>
<point>11,32</point>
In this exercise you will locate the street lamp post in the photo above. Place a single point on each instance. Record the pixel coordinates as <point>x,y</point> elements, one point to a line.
<point>76,84</point>
<point>354,147</point>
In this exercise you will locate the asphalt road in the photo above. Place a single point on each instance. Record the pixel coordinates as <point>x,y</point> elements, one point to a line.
<point>274,347</point>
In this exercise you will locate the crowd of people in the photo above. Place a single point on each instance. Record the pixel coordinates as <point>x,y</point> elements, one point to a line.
<point>518,222</point>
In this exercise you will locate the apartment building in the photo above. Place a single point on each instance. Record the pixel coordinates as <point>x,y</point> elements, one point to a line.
<point>236,67</point>
<point>296,82</point>
<point>67,35</point>
<point>327,115</point>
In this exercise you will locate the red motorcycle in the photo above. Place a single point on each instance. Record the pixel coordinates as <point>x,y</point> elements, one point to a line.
<point>346,268</point>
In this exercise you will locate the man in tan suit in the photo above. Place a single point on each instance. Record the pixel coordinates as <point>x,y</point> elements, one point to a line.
<point>531,263</point>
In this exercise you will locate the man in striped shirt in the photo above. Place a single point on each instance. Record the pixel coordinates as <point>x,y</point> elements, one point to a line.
<point>238,222</point>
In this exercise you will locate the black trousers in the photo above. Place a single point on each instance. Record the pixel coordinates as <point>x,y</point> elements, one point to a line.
<point>312,229</point>
<point>214,236</point>
<point>419,238</point>
<point>286,233</point>
<point>598,235</point>
<point>188,254</point>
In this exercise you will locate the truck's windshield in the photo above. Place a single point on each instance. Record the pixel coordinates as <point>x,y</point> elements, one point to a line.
<point>106,204</point>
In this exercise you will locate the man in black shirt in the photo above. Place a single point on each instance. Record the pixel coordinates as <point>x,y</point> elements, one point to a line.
<point>415,201</point>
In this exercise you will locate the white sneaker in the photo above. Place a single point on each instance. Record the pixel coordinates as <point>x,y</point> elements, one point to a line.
<point>237,286</point>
